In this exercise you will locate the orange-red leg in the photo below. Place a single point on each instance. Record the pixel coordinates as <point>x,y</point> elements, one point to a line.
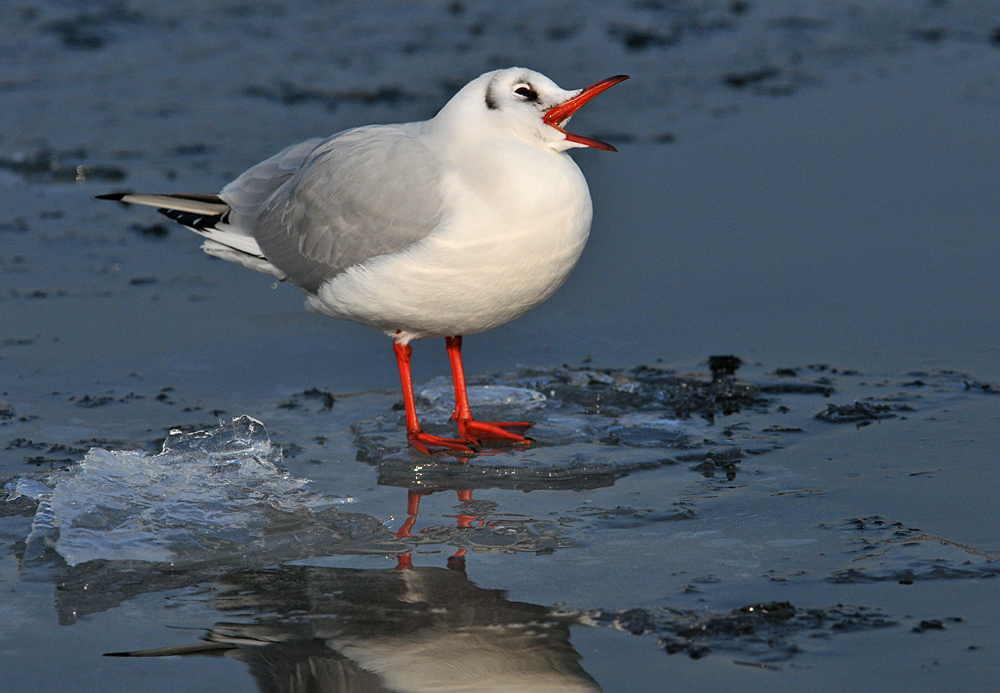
<point>511,432</point>
<point>425,442</point>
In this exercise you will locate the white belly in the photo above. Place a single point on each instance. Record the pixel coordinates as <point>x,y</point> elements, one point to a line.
<point>494,258</point>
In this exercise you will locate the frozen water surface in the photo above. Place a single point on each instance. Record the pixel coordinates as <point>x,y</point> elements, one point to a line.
<point>721,562</point>
<point>809,185</point>
<point>207,496</point>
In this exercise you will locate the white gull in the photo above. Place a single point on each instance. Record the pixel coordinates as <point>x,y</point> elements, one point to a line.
<point>440,228</point>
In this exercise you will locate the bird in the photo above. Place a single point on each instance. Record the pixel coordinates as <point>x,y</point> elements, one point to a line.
<point>439,228</point>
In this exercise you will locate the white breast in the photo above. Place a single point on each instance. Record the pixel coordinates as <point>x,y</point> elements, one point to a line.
<point>517,221</point>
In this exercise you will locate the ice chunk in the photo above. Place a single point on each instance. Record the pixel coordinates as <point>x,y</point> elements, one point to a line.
<point>217,491</point>
<point>28,488</point>
<point>440,392</point>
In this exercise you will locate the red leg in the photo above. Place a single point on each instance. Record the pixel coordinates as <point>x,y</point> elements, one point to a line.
<point>456,561</point>
<point>465,520</point>
<point>424,442</point>
<point>511,432</point>
<point>412,510</point>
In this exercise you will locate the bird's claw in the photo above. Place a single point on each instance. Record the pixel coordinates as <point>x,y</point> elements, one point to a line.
<point>504,432</point>
<point>473,435</point>
<point>428,443</point>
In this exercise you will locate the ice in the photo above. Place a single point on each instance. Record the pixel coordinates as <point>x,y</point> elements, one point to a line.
<point>589,426</point>
<point>210,492</point>
<point>440,393</point>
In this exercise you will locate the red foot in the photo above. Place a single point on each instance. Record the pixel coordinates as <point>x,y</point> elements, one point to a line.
<point>508,432</point>
<point>428,443</point>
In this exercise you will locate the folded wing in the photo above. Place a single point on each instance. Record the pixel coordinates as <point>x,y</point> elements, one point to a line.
<point>354,196</point>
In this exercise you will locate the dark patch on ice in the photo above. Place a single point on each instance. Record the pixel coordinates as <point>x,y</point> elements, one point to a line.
<point>797,388</point>
<point>325,398</point>
<point>192,149</point>
<point>724,365</point>
<point>640,39</point>
<point>932,35</point>
<point>978,386</point>
<point>768,632</point>
<point>60,167</point>
<point>627,518</point>
<point>18,341</point>
<point>561,32</point>
<point>741,80</point>
<point>797,24</point>
<point>89,402</point>
<point>861,413</point>
<point>885,551</point>
<point>150,230</point>
<point>610,393</point>
<point>712,462</point>
<point>289,94</point>
<point>91,29</point>
<point>739,7</point>
<point>15,225</point>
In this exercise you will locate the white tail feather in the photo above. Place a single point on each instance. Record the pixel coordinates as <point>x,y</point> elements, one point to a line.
<point>181,204</point>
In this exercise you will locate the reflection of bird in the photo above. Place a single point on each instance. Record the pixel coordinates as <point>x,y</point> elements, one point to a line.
<point>440,228</point>
<point>422,629</point>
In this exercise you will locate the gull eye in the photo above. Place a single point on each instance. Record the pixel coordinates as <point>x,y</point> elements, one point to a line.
<point>527,92</point>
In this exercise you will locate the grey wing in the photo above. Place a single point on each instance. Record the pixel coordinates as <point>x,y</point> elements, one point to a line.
<point>359,194</point>
<point>247,194</point>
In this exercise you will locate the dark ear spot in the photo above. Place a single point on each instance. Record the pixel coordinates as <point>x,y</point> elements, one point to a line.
<point>491,99</point>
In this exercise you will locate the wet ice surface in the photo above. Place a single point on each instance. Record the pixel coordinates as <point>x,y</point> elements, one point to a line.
<point>798,183</point>
<point>216,512</point>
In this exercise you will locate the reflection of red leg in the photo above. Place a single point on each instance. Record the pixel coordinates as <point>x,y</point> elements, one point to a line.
<point>424,442</point>
<point>413,501</point>
<point>465,521</point>
<point>412,509</point>
<point>404,529</point>
<point>404,561</point>
<point>468,428</point>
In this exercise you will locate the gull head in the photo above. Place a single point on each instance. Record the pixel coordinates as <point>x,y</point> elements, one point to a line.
<point>523,105</point>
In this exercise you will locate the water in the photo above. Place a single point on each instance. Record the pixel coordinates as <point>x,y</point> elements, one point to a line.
<point>808,186</point>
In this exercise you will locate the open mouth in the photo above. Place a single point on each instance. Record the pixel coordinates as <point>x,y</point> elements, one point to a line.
<point>558,115</point>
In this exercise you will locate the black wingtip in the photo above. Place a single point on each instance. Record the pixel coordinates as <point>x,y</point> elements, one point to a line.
<point>114,197</point>
<point>193,220</point>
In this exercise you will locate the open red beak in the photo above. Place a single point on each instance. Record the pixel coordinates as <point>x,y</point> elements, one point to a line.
<point>557,115</point>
